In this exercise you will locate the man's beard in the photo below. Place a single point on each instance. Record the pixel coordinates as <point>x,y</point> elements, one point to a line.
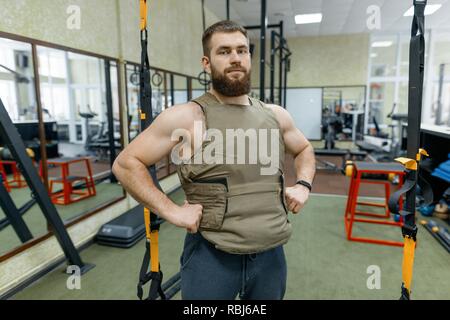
<point>230,87</point>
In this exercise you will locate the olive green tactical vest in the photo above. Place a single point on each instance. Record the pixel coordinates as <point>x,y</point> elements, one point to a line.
<point>243,211</point>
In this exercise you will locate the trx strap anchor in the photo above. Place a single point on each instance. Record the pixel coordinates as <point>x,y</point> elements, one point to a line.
<point>414,153</point>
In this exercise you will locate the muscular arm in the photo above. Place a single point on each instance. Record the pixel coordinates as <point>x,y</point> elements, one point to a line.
<point>149,147</point>
<point>304,160</point>
<point>300,148</point>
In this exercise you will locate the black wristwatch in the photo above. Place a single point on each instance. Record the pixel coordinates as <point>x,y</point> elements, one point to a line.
<point>305,183</point>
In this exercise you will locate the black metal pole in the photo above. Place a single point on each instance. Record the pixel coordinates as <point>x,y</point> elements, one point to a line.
<point>109,108</point>
<point>13,215</point>
<point>189,88</point>
<point>262,41</point>
<point>272,66</point>
<point>280,83</point>
<point>228,9</point>
<point>270,26</point>
<point>286,69</point>
<point>172,90</point>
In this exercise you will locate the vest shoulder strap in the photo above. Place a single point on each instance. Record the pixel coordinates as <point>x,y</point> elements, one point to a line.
<point>205,100</point>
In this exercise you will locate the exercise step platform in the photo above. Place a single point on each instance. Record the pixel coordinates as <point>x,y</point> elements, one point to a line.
<point>125,230</point>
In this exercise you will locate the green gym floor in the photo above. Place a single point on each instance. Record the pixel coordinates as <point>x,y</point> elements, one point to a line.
<point>322,264</point>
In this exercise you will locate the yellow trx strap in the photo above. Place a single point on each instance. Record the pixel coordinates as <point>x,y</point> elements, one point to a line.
<point>151,257</point>
<point>143,11</point>
<point>152,237</point>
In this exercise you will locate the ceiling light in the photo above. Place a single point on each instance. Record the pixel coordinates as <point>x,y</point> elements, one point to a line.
<point>308,18</point>
<point>374,55</point>
<point>429,9</point>
<point>381,44</point>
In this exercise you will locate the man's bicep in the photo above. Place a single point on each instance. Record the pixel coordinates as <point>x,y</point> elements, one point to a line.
<point>294,140</point>
<point>150,146</point>
<point>155,142</point>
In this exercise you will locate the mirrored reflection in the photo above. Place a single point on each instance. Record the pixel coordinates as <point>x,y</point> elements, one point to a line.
<point>168,89</point>
<point>79,147</point>
<point>159,93</point>
<point>132,97</point>
<point>17,92</point>
<point>343,112</point>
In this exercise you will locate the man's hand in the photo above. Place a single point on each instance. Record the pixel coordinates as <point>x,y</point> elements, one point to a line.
<point>188,216</point>
<point>296,197</point>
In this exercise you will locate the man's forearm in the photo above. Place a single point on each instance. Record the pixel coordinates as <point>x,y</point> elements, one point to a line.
<point>135,178</point>
<point>305,164</point>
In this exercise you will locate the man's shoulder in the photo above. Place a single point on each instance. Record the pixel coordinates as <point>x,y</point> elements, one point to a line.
<point>274,107</point>
<point>181,115</point>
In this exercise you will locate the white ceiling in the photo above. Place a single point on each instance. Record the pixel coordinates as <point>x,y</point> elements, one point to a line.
<point>339,16</point>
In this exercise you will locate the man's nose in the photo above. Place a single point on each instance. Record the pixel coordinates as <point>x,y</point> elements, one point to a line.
<point>234,57</point>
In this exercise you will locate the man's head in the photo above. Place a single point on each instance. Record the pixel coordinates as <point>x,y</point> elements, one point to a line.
<point>227,58</point>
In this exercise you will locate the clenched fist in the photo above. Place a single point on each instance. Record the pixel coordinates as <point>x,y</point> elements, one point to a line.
<point>189,216</point>
<point>296,197</point>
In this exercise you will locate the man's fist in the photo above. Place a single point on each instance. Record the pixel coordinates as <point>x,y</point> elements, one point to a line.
<point>296,197</point>
<point>189,216</point>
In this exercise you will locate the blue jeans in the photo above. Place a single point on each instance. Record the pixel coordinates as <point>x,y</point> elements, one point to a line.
<point>211,274</point>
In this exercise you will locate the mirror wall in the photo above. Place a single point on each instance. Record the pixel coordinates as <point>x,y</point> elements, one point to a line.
<point>80,110</point>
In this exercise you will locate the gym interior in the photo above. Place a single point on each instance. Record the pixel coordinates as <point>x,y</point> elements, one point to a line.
<point>70,76</point>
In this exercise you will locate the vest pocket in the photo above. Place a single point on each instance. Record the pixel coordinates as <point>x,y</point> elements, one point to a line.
<point>212,196</point>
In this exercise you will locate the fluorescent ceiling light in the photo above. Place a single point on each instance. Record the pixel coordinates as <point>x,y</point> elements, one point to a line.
<point>381,44</point>
<point>374,55</point>
<point>308,18</point>
<point>429,9</point>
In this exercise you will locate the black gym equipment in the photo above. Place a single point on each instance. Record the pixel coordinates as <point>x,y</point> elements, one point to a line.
<point>397,145</point>
<point>15,144</point>
<point>414,152</point>
<point>87,116</point>
<point>332,125</point>
<point>278,47</point>
<point>124,231</point>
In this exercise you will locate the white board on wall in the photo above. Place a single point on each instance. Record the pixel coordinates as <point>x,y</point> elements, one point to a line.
<point>305,107</point>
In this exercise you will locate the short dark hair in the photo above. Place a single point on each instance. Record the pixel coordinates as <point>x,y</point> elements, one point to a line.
<point>221,26</point>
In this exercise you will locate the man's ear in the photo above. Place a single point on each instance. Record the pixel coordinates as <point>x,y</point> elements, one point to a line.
<point>206,64</point>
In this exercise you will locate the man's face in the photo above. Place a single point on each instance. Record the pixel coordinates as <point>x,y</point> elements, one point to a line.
<point>229,63</point>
